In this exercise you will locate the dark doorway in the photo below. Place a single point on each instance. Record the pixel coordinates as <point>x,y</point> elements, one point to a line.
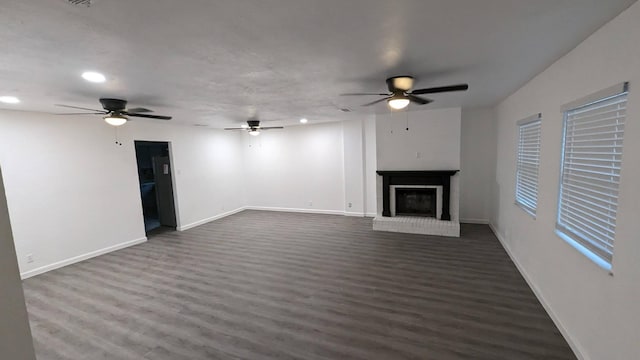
<point>156,184</point>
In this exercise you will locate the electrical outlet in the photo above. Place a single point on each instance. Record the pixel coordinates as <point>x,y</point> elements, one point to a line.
<point>29,258</point>
<point>350,205</point>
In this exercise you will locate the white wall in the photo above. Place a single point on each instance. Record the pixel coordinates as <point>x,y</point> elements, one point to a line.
<point>434,134</point>
<point>359,139</point>
<point>298,167</point>
<point>477,164</point>
<point>598,313</point>
<point>15,334</point>
<point>68,184</point>
<point>371,166</point>
<point>354,167</point>
<point>431,143</point>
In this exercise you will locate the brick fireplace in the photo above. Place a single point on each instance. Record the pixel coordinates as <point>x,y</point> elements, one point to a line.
<point>417,202</point>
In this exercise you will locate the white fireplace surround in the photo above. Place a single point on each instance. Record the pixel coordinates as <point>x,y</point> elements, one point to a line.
<point>392,197</point>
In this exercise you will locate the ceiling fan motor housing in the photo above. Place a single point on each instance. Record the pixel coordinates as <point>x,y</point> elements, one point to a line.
<point>113,104</point>
<point>253,123</point>
<point>404,83</point>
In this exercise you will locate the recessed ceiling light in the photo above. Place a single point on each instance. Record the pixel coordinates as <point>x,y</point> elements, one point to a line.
<point>94,77</point>
<point>304,121</point>
<point>9,99</point>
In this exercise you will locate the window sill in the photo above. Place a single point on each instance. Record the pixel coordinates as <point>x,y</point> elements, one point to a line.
<point>526,209</point>
<point>586,252</point>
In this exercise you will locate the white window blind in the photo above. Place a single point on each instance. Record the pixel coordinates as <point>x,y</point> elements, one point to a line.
<point>591,161</point>
<point>528,163</point>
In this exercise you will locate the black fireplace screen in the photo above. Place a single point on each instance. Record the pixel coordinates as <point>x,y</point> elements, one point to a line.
<point>416,202</point>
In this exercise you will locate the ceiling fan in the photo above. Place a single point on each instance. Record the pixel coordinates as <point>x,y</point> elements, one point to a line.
<point>401,94</point>
<point>254,128</point>
<point>115,112</point>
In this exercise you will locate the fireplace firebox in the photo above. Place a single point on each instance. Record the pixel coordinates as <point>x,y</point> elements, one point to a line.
<point>416,202</point>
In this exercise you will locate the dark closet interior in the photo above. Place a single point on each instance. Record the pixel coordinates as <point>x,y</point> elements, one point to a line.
<point>156,185</point>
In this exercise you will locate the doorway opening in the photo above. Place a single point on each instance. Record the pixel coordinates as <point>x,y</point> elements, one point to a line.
<point>156,185</point>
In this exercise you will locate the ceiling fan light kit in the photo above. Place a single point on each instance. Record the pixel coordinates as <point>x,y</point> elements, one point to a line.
<point>115,119</point>
<point>398,102</point>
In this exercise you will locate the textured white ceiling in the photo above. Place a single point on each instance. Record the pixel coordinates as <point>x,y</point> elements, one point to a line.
<point>219,62</point>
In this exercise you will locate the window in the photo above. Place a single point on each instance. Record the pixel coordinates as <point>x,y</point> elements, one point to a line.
<point>591,161</point>
<point>528,163</point>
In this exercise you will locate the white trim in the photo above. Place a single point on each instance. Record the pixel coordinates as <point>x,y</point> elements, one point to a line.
<point>174,184</point>
<point>308,211</point>
<point>213,218</point>
<point>76,259</point>
<point>575,346</point>
<point>597,96</point>
<point>475,221</point>
<point>354,214</point>
<point>529,119</point>
<point>268,208</point>
<point>584,251</point>
<point>92,254</point>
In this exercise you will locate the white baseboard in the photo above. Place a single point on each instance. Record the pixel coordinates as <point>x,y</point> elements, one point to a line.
<point>213,218</point>
<point>575,346</point>
<point>92,254</point>
<point>371,214</point>
<point>475,221</point>
<point>308,211</point>
<point>268,208</point>
<point>75,259</point>
<point>354,214</point>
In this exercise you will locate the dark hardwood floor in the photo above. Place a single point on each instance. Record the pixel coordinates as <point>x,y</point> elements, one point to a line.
<point>268,285</point>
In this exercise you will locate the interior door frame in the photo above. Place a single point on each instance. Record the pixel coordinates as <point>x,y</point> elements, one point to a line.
<point>174,176</point>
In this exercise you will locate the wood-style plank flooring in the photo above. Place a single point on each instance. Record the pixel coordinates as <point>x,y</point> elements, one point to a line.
<point>269,285</point>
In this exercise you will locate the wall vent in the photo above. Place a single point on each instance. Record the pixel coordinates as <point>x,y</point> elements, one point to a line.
<point>86,3</point>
